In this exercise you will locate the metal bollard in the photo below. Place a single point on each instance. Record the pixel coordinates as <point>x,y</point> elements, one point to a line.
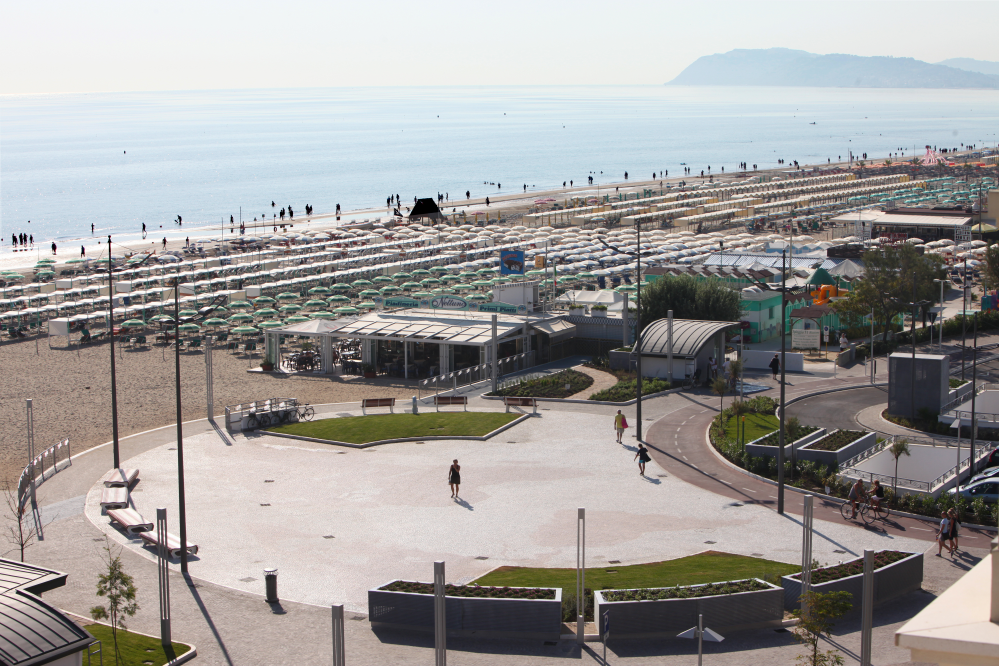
<point>270,584</point>
<point>416,408</point>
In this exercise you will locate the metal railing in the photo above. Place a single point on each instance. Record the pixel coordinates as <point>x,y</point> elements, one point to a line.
<point>35,470</point>
<point>236,413</point>
<point>466,378</point>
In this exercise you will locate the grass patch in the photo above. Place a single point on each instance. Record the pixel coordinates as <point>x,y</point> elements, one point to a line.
<point>364,429</point>
<point>552,386</point>
<point>707,567</point>
<point>757,425</point>
<point>955,382</point>
<point>134,648</point>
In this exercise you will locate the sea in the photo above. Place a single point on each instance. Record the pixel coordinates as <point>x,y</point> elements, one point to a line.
<point>120,160</point>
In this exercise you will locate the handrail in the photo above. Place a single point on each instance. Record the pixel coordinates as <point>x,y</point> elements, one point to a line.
<point>28,474</point>
<point>483,371</point>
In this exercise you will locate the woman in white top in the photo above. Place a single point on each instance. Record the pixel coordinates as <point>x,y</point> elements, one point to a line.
<point>944,534</point>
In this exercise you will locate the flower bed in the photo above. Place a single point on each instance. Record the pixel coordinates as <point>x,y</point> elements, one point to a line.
<point>472,590</point>
<point>773,439</point>
<point>628,390</point>
<point>552,386</point>
<point>471,610</point>
<point>665,612</point>
<point>836,440</point>
<point>895,573</point>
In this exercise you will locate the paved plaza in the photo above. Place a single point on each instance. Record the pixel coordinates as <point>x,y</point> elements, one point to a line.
<point>390,515</point>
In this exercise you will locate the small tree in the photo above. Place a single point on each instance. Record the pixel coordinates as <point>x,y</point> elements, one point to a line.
<point>119,588</point>
<point>22,530</point>
<point>898,448</point>
<point>735,369</point>
<point>720,386</point>
<point>822,609</point>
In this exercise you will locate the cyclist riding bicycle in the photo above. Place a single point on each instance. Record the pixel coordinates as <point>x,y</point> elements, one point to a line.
<point>877,494</point>
<point>857,494</point>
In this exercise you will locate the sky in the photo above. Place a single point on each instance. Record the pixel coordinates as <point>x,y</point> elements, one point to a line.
<point>110,45</point>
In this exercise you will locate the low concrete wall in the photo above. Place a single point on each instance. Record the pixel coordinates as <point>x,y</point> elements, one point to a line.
<point>839,456</point>
<point>620,360</point>
<point>758,360</point>
<point>890,582</point>
<point>760,450</point>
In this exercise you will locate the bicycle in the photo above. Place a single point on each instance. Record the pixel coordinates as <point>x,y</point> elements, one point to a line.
<point>306,412</point>
<point>879,512</point>
<point>691,381</point>
<point>258,420</point>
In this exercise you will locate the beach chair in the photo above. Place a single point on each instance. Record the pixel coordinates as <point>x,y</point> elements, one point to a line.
<point>120,478</point>
<point>114,498</point>
<point>85,336</point>
<point>173,543</point>
<point>130,520</point>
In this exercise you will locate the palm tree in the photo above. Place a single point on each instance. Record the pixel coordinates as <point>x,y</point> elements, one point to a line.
<point>898,448</point>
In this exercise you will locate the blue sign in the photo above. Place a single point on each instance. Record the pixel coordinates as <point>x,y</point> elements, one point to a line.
<point>512,262</point>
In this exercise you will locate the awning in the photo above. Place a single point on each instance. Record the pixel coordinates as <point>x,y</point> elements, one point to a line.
<point>557,329</point>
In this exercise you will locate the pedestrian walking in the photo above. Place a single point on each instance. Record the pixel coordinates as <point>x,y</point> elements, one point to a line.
<point>712,368</point>
<point>643,457</point>
<point>454,477</point>
<point>53,247</point>
<point>83,252</point>
<point>775,365</point>
<point>620,423</point>
<point>953,530</point>
<point>943,534</point>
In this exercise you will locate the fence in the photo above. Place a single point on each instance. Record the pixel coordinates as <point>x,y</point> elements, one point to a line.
<point>467,377</point>
<point>235,414</point>
<point>36,468</point>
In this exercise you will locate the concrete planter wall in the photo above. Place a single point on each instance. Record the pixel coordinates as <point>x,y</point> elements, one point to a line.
<point>761,450</point>
<point>597,313</point>
<point>620,360</point>
<point>469,616</point>
<point>668,617</point>
<point>839,456</point>
<point>890,582</point>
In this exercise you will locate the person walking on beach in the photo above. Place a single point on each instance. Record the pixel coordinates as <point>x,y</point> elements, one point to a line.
<point>775,365</point>
<point>454,477</point>
<point>143,230</point>
<point>643,457</point>
<point>164,242</point>
<point>487,201</point>
<point>620,423</point>
<point>53,247</point>
<point>83,252</point>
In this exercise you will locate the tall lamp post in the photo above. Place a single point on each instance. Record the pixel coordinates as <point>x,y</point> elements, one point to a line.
<point>180,428</point>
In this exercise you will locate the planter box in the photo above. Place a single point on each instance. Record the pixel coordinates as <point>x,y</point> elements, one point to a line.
<point>839,456</point>
<point>579,312</point>
<point>761,450</point>
<point>598,313</point>
<point>469,616</point>
<point>890,582</point>
<point>619,360</point>
<point>668,617</point>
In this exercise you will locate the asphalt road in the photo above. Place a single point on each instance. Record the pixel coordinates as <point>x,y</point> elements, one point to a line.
<point>838,410</point>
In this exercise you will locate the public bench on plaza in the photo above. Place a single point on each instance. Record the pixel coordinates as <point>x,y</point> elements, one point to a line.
<point>130,520</point>
<point>115,497</point>
<point>513,401</point>
<point>367,403</point>
<point>446,400</point>
<point>173,543</point>
<point>120,478</point>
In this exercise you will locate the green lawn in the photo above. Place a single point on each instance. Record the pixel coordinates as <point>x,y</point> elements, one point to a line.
<point>708,567</point>
<point>135,649</point>
<point>757,425</point>
<point>364,429</point>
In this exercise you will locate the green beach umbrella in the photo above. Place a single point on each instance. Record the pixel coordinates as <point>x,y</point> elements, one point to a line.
<point>189,328</point>
<point>444,290</point>
<point>401,275</point>
<point>346,310</point>
<point>626,288</point>
<point>438,269</point>
<point>315,303</point>
<point>188,313</point>
<point>45,274</point>
<point>266,312</point>
<point>133,323</point>
<point>390,289</point>
<point>483,283</point>
<point>360,283</point>
<point>423,294</point>
<point>340,286</point>
<point>500,280</point>
<point>411,285</point>
<point>450,278</point>
<point>462,287</point>
<point>487,271</point>
<point>367,304</point>
<point>288,296</point>
<point>241,317</point>
<point>322,314</point>
<point>269,324</point>
<point>161,318</point>
<point>420,272</point>
<point>383,279</point>
<point>429,282</point>
<point>215,321</point>
<point>244,330</point>
<point>586,276</point>
<point>468,275</point>
<point>290,309</point>
<point>369,293</point>
<point>319,291</point>
<point>478,297</point>
<point>296,319</point>
<point>338,299</point>
<point>263,300</point>
<point>240,305</point>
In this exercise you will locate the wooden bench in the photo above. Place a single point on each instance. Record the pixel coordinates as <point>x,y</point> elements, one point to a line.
<point>450,400</point>
<point>513,401</point>
<point>173,543</point>
<point>130,520</point>
<point>115,497</point>
<point>120,478</point>
<point>377,402</point>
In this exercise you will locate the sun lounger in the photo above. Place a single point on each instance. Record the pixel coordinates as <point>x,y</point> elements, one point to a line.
<point>120,478</point>
<point>114,498</point>
<point>130,520</point>
<point>173,543</point>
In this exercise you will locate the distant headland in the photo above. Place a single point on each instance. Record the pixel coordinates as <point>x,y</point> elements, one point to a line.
<point>788,67</point>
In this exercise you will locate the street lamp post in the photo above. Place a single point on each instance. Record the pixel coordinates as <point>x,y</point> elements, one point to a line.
<point>783,353</point>
<point>180,428</point>
<point>114,383</point>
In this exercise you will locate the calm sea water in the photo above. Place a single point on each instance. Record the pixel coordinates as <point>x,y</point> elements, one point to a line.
<point>117,160</point>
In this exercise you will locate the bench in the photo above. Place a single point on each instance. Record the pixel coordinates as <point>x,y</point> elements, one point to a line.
<point>377,402</point>
<point>115,497</point>
<point>513,401</point>
<point>130,520</point>
<point>120,478</point>
<point>450,400</point>
<point>173,543</point>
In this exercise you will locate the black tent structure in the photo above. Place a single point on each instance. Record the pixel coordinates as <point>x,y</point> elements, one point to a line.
<point>426,209</point>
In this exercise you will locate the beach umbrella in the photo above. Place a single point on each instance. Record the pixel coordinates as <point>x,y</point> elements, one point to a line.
<point>487,272</point>
<point>290,308</point>
<point>423,294</point>
<point>443,290</point>
<point>215,321</point>
<point>626,288</point>
<point>240,305</point>
<point>346,310</point>
<point>436,269</point>
<point>296,319</point>
<point>468,275</point>
<point>263,300</point>
<point>501,280</point>
<point>268,324</point>
<point>369,293</point>
<point>162,318</point>
<point>450,278</point>
<point>411,285</point>
<point>189,328</point>
<point>338,299</point>
<point>430,282</point>
<point>340,286</point>
<point>266,312</point>
<point>390,289</point>
<point>482,283</point>
<point>361,283</point>
<point>535,273</point>
<point>421,273</point>
<point>45,274</point>
<point>462,287</point>
<point>401,275</point>
<point>585,275</point>
<point>322,314</point>
<point>478,297</point>
<point>367,304</point>
<point>288,296</point>
<point>319,291</point>
<point>188,313</point>
<point>315,303</point>
<point>244,330</point>
<point>384,279</point>
<point>241,317</point>
<point>133,323</point>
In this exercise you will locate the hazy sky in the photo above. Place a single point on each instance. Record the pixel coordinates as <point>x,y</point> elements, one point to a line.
<point>68,45</point>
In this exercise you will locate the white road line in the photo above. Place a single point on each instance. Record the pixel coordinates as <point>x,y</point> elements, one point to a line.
<point>684,457</point>
<point>749,489</point>
<point>921,529</point>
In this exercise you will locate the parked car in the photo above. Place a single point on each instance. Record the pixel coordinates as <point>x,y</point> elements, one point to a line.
<point>987,489</point>
<point>991,472</point>
<point>993,458</point>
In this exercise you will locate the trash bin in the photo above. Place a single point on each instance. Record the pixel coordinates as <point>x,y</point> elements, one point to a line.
<point>270,582</point>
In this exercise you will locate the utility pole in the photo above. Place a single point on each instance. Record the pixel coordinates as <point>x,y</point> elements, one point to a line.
<point>783,355</point>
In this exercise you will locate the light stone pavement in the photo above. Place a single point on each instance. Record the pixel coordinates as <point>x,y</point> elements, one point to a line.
<point>391,515</point>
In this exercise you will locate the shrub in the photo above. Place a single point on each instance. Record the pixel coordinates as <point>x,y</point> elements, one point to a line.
<point>472,590</point>
<point>628,390</point>
<point>569,605</point>
<point>551,386</point>
<point>763,404</point>
<point>693,592</point>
